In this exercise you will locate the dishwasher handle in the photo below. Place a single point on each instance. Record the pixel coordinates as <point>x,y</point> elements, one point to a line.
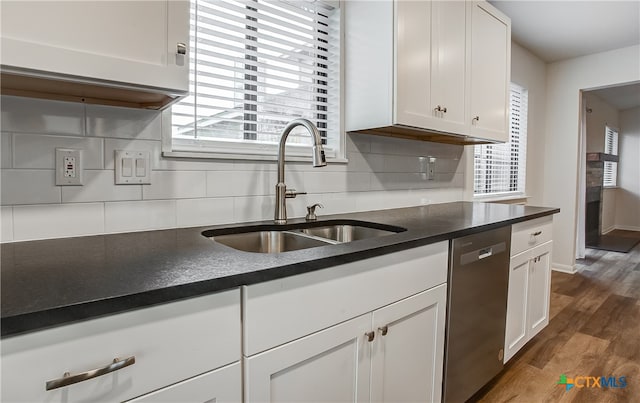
<point>482,253</point>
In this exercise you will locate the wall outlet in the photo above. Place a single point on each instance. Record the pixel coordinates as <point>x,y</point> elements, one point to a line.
<point>133,167</point>
<point>68,167</point>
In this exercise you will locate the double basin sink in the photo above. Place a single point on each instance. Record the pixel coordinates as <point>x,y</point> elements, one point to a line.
<point>286,238</point>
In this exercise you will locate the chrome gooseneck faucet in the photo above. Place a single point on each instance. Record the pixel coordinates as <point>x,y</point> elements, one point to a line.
<point>318,161</point>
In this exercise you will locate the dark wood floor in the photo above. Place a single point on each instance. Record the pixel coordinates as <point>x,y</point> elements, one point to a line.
<point>594,331</point>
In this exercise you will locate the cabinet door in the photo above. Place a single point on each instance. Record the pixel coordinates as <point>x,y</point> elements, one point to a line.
<point>122,41</point>
<point>448,63</point>
<point>328,366</point>
<point>489,68</point>
<point>408,351</point>
<point>539,289</point>
<point>413,63</point>
<point>222,385</point>
<point>516,324</point>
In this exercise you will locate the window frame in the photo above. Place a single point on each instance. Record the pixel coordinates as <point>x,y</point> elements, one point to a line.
<point>615,152</point>
<point>239,150</point>
<point>505,195</point>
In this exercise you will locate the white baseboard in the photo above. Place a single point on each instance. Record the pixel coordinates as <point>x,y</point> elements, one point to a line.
<point>611,228</point>
<point>626,227</point>
<point>563,268</point>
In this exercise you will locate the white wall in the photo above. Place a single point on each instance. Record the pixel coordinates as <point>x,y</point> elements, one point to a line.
<point>602,115</point>
<point>628,193</point>
<point>565,79</point>
<point>381,173</point>
<point>609,201</point>
<point>530,72</point>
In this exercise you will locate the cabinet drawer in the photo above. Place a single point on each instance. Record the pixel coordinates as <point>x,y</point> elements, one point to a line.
<point>170,343</point>
<point>279,311</point>
<point>527,234</point>
<point>221,385</point>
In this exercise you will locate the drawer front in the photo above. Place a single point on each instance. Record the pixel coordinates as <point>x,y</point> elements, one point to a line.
<point>279,311</point>
<point>528,234</point>
<point>170,343</point>
<point>221,385</point>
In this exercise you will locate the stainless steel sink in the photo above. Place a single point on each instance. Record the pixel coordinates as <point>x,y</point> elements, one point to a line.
<point>268,241</point>
<point>279,239</point>
<point>345,232</point>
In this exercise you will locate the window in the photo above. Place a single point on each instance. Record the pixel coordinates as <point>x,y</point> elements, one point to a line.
<point>610,147</point>
<point>501,168</point>
<point>254,66</point>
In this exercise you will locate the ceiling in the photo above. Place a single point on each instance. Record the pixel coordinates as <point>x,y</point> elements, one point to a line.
<point>558,30</point>
<point>620,97</point>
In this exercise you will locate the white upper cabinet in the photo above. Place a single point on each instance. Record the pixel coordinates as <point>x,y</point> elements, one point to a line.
<point>435,71</point>
<point>490,72</point>
<point>125,45</point>
<point>430,65</point>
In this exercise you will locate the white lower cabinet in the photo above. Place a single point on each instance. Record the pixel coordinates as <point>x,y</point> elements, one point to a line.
<point>221,385</point>
<point>393,354</point>
<point>169,343</point>
<point>331,365</point>
<point>408,350</point>
<point>357,332</point>
<point>528,298</point>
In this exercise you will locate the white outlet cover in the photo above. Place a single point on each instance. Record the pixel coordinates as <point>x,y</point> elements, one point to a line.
<point>65,175</point>
<point>132,179</point>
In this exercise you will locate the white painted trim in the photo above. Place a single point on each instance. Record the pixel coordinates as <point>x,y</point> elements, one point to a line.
<point>563,268</point>
<point>606,231</point>
<point>626,227</point>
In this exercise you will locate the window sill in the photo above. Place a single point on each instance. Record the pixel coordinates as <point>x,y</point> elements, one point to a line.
<point>244,157</point>
<point>501,198</point>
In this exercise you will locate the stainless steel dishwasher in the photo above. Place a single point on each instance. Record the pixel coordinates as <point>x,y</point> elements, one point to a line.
<point>476,311</point>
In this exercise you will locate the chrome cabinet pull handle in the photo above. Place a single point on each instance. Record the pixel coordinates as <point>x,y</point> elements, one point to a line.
<point>182,48</point>
<point>68,379</point>
<point>537,233</point>
<point>384,330</point>
<point>476,119</point>
<point>370,336</point>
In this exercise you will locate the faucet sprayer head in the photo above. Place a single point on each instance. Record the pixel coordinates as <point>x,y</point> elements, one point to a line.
<point>318,156</point>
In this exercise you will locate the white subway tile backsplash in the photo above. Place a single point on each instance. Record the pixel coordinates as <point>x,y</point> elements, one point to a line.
<point>57,220</point>
<point>240,183</point>
<point>175,185</point>
<point>6,150</point>
<point>31,115</point>
<point>365,162</point>
<point>212,211</point>
<point>334,203</point>
<point>327,182</point>
<point>381,173</point>
<point>108,121</point>
<point>39,151</point>
<point>100,186</point>
<point>253,208</point>
<point>359,143</point>
<point>26,186</point>
<point>6,224</point>
<point>139,215</point>
<point>410,180</point>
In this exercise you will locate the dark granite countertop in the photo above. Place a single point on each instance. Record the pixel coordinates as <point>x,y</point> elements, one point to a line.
<point>53,282</point>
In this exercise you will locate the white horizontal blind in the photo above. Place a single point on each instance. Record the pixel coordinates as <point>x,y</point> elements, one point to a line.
<point>610,175</point>
<point>256,65</point>
<point>501,168</point>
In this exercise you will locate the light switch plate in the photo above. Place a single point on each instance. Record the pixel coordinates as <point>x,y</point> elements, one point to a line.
<point>68,167</point>
<point>133,167</point>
